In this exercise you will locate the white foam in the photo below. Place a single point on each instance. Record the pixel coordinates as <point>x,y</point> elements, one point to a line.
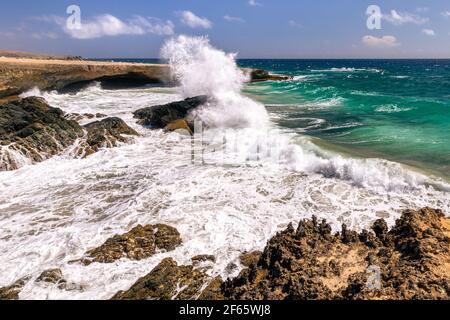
<point>392,108</point>
<point>346,69</point>
<point>54,211</point>
<point>204,70</point>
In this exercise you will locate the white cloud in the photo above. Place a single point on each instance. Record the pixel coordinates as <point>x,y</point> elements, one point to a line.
<point>404,17</point>
<point>194,21</point>
<point>254,3</point>
<point>109,25</point>
<point>386,41</point>
<point>233,19</point>
<point>429,32</point>
<point>446,14</point>
<point>295,24</point>
<point>154,25</point>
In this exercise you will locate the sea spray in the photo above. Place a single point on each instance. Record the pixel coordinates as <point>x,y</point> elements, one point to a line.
<point>243,124</point>
<point>55,211</point>
<point>202,69</point>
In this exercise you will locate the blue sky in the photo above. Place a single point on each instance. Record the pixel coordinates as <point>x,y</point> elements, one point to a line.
<point>252,28</point>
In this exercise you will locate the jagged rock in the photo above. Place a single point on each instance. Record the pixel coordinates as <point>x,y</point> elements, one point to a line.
<point>31,131</point>
<point>167,281</point>
<point>203,258</point>
<point>258,75</point>
<point>159,117</point>
<point>12,292</point>
<point>411,261</point>
<point>249,258</point>
<point>84,116</point>
<point>106,133</point>
<point>140,243</point>
<point>213,290</point>
<point>79,117</point>
<point>53,276</point>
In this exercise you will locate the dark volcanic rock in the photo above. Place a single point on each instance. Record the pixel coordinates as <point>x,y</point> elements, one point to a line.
<point>203,261</point>
<point>140,243</point>
<point>203,258</point>
<point>105,134</point>
<point>159,117</point>
<point>412,261</point>
<point>31,129</point>
<point>84,116</point>
<point>257,75</point>
<point>53,276</point>
<point>12,292</point>
<point>169,281</point>
<point>249,258</point>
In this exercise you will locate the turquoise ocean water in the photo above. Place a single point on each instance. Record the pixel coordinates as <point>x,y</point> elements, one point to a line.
<point>392,109</point>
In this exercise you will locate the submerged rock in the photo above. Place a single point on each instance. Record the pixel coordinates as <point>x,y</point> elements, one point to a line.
<point>140,243</point>
<point>53,276</point>
<point>12,292</point>
<point>160,117</point>
<point>106,133</point>
<point>203,258</point>
<point>258,75</point>
<point>411,261</point>
<point>169,281</point>
<point>84,116</point>
<point>31,131</point>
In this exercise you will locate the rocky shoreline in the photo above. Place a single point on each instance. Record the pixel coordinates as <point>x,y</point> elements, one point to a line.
<point>31,131</point>
<point>410,261</point>
<point>309,262</point>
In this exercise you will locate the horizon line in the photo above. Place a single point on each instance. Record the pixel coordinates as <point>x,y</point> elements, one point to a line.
<point>346,58</point>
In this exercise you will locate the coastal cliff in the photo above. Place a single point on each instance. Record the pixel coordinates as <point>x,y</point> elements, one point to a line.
<point>19,75</point>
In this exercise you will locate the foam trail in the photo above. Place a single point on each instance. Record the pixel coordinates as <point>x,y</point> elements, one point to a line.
<point>204,70</point>
<point>54,211</point>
